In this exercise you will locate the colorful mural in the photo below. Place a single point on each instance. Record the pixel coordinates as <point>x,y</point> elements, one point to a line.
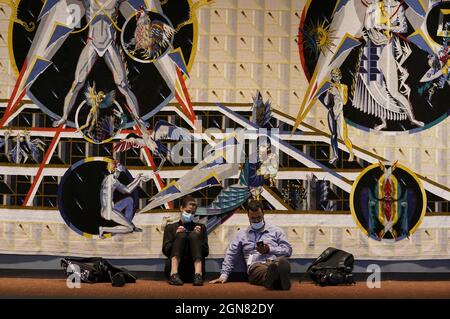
<point>333,113</point>
<point>391,54</point>
<point>388,201</point>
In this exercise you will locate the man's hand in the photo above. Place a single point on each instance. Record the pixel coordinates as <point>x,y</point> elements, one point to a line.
<point>218,281</point>
<point>180,229</point>
<point>198,229</point>
<point>263,249</point>
<point>145,178</point>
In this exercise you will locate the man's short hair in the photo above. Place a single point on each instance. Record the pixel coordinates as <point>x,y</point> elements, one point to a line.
<point>255,205</point>
<point>187,199</point>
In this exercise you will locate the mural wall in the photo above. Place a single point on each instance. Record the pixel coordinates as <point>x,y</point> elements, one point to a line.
<point>331,112</point>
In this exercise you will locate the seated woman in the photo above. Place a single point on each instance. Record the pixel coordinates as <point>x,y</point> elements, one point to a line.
<point>185,243</point>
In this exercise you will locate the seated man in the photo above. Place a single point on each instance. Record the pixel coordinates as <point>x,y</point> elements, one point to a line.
<point>185,238</point>
<point>264,248</point>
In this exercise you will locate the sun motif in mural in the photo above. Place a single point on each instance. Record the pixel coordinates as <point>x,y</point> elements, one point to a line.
<point>320,37</point>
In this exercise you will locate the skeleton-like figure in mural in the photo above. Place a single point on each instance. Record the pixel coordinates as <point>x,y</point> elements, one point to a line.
<point>113,211</point>
<point>381,88</point>
<point>335,99</point>
<point>102,17</point>
<point>22,147</point>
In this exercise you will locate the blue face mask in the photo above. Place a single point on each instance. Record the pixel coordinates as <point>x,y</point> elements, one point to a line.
<point>257,226</point>
<point>187,217</point>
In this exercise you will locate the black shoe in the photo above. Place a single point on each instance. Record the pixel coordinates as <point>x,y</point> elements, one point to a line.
<point>284,269</point>
<point>272,276</point>
<point>198,280</point>
<point>175,280</point>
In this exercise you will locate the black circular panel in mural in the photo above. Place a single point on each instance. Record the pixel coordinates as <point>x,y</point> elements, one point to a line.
<point>52,86</point>
<point>427,99</point>
<point>387,202</point>
<point>79,195</point>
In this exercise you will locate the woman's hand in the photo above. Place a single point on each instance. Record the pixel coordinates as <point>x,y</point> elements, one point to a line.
<point>181,229</point>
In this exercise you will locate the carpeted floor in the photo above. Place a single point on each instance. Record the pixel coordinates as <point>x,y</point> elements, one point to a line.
<point>56,288</point>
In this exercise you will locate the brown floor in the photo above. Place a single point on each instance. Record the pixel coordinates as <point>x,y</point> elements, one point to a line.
<point>44,288</point>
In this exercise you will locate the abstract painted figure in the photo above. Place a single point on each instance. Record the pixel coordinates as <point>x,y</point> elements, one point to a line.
<point>335,99</point>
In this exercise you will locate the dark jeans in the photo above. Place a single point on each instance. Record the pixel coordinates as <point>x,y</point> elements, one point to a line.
<point>187,247</point>
<point>257,272</point>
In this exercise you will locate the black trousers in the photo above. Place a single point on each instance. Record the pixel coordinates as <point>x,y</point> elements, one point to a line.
<point>188,247</point>
<point>184,240</point>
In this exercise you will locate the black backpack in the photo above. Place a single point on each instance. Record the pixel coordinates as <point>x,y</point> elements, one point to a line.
<point>332,267</point>
<point>96,269</point>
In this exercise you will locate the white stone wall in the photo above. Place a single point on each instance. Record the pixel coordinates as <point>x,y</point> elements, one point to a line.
<point>44,232</point>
